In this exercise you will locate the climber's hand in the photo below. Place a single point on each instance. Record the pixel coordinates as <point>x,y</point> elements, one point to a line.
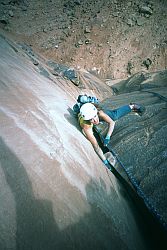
<point>106,140</point>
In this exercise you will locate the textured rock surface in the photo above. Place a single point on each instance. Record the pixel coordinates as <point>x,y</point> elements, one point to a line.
<point>141,142</point>
<point>55,191</point>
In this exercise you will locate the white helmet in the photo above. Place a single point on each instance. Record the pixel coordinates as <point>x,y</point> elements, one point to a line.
<point>88,111</point>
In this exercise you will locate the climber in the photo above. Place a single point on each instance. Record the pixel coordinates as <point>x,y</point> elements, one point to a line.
<point>90,115</point>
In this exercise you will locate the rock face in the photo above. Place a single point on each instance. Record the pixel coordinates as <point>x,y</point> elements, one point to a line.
<point>55,191</point>
<point>141,142</point>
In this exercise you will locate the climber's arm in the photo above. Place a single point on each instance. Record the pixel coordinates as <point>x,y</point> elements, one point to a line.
<point>88,132</point>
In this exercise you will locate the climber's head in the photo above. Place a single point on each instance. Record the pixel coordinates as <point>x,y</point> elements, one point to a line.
<point>89,113</point>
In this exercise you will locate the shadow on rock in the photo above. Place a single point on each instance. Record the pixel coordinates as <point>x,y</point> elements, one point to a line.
<point>36,227</point>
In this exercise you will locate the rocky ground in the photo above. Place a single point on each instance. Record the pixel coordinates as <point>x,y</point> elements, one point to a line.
<point>114,39</point>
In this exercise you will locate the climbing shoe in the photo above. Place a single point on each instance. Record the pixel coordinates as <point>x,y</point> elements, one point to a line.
<point>138,108</point>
